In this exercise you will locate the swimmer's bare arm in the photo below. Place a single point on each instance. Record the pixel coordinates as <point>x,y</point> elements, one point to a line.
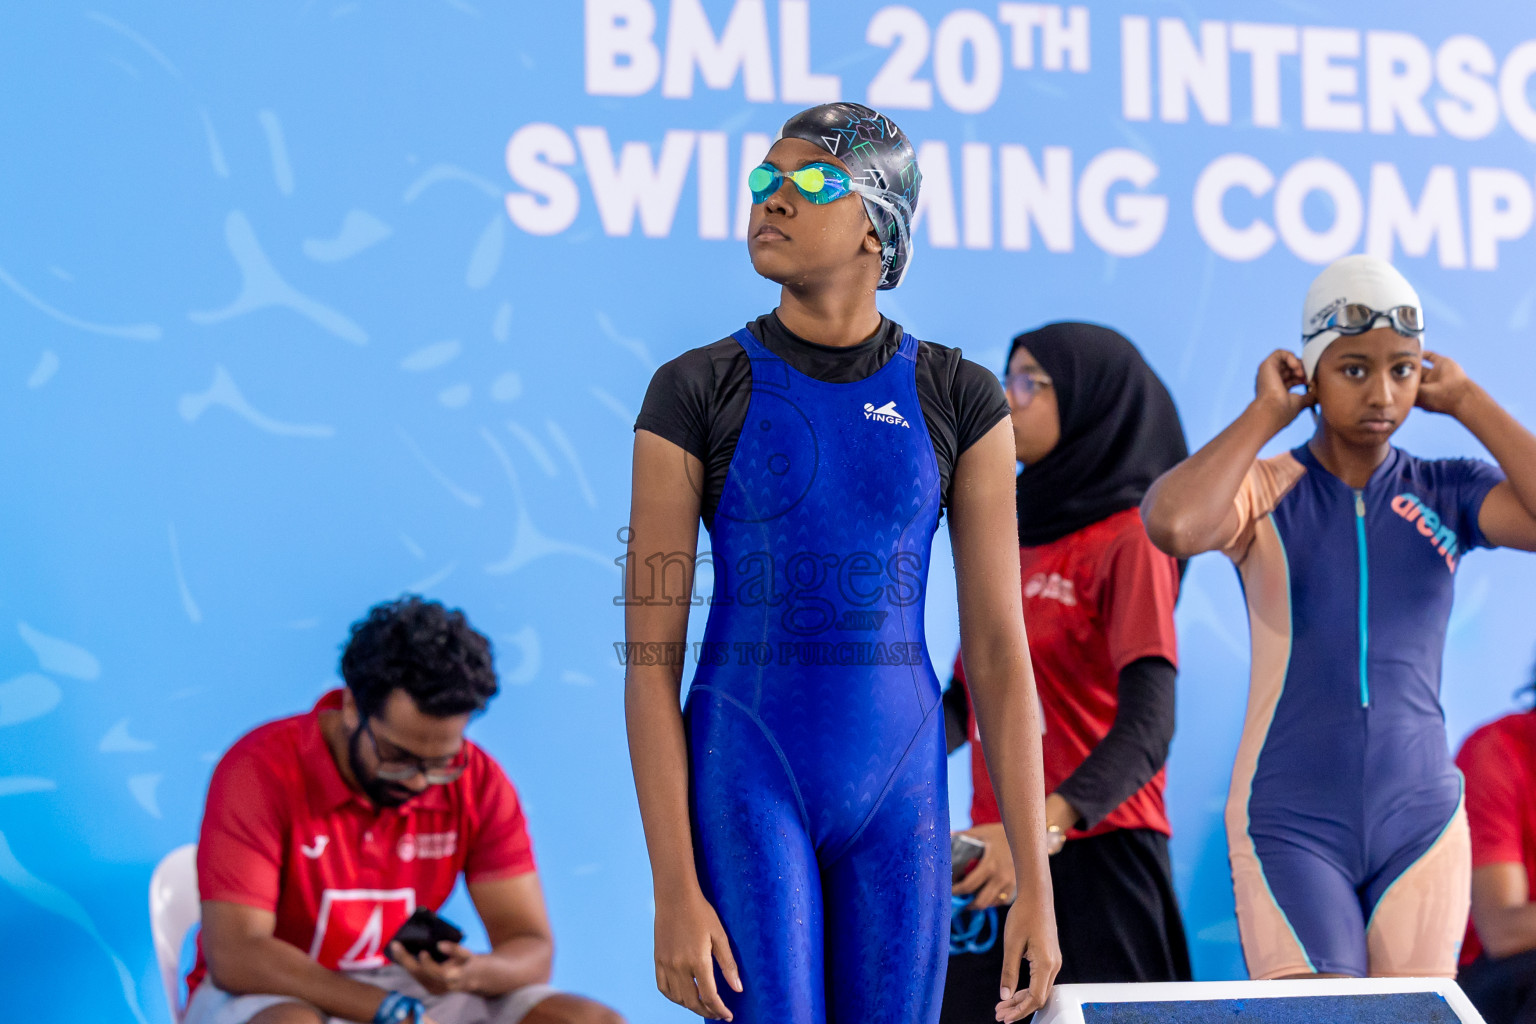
<point>984,535</point>
<point>1189,509</point>
<point>664,520</point>
<point>1508,515</point>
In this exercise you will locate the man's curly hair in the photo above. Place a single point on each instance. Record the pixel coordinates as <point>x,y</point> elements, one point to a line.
<point>430,652</point>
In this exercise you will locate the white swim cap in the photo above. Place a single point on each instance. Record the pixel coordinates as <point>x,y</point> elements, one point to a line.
<point>1368,280</point>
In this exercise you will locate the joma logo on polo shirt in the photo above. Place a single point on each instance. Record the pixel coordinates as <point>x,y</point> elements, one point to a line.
<point>427,845</point>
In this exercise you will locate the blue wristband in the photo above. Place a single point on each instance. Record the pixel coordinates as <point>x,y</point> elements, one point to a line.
<point>398,1008</point>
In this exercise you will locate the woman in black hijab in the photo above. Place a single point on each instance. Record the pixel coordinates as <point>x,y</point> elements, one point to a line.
<point>1093,426</point>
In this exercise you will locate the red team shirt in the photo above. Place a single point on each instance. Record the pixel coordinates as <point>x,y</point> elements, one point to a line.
<point>1094,601</point>
<point>1499,761</point>
<point>283,832</point>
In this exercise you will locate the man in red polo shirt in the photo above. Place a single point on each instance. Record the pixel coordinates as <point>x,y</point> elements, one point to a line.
<point>1498,958</point>
<point>324,832</point>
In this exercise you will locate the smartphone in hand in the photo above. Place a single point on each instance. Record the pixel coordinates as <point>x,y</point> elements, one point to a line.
<point>964,854</point>
<point>422,932</point>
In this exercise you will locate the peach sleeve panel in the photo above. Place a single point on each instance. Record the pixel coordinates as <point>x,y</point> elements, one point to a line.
<point>1266,482</point>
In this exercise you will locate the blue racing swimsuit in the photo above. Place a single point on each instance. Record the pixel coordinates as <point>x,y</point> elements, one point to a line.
<point>1347,839</point>
<point>815,733</point>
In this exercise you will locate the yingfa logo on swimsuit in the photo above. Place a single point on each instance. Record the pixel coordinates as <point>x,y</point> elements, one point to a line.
<point>885,414</point>
<point>1412,508</point>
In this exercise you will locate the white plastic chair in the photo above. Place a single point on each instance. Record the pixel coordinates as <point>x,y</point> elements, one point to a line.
<point>174,908</point>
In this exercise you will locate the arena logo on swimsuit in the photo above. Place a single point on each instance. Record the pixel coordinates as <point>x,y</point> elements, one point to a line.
<point>1412,508</point>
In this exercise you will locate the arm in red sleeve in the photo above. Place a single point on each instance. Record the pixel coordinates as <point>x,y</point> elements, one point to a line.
<point>245,824</point>
<point>1136,601</point>
<point>1133,750</point>
<point>1497,788</point>
<point>239,876</point>
<point>1494,798</point>
<point>499,846</point>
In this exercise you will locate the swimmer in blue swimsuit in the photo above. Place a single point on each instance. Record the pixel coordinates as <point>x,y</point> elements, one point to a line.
<point>795,811</point>
<point>1345,828</point>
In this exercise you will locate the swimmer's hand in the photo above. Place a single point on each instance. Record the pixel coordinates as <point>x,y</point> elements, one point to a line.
<point>689,940</point>
<point>992,878</point>
<point>1278,374</point>
<point>1443,385</point>
<point>1030,934</point>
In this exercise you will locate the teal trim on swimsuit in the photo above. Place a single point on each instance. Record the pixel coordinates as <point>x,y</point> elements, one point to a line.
<point>1290,638</point>
<point>1461,804</point>
<point>1365,590</point>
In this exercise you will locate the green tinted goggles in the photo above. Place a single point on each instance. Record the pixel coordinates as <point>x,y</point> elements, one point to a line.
<point>819,183</point>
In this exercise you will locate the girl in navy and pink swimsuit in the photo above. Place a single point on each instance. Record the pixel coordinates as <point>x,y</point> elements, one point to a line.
<point>1345,820</point>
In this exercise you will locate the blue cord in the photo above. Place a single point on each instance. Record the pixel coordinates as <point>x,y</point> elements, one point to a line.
<point>399,1008</point>
<point>971,931</point>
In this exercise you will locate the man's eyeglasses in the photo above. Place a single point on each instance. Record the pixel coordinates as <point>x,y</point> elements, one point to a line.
<point>398,766</point>
<point>1024,385</point>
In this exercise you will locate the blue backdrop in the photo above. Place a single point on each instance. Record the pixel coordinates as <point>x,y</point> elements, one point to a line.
<point>306,304</point>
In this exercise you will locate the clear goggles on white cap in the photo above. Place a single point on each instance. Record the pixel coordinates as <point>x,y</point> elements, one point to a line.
<point>1357,318</point>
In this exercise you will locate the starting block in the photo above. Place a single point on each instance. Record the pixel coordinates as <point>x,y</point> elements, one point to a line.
<point>1304,1001</point>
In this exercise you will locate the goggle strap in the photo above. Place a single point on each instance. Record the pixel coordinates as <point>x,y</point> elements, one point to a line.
<point>900,212</point>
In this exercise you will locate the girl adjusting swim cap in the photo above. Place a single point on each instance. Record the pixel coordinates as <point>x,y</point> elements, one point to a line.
<point>1356,281</point>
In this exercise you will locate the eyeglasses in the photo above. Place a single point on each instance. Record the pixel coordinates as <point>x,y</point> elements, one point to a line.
<point>398,766</point>
<point>1024,385</point>
<point>820,183</point>
<point>1357,318</point>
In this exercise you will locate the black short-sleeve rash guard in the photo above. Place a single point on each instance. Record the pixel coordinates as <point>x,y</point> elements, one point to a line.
<point>698,401</point>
